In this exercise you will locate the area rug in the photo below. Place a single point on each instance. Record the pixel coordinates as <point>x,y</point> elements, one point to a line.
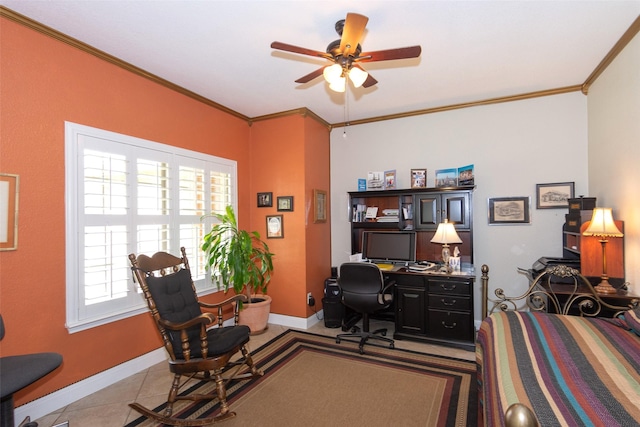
<point>310,380</point>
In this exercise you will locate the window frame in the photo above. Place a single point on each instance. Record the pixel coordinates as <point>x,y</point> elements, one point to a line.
<point>78,317</point>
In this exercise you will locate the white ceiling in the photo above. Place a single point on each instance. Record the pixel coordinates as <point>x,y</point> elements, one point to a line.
<point>471,50</point>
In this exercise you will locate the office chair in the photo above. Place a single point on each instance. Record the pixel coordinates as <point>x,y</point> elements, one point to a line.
<point>364,291</point>
<point>198,344</point>
<point>17,372</point>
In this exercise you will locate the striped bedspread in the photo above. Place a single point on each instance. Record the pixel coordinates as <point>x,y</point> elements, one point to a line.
<point>569,370</point>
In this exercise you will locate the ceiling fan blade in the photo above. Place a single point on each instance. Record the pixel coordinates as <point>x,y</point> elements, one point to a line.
<point>352,32</point>
<point>310,76</point>
<point>300,50</point>
<point>390,54</point>
<point>369,82</point>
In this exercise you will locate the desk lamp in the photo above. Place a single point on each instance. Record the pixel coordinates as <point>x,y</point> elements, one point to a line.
<point>602,226</point>
<point>445,234</point>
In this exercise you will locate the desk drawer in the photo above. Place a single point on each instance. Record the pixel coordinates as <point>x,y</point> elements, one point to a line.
<point>450,325</point>
<point>449,287</point>
<point>450,302</point>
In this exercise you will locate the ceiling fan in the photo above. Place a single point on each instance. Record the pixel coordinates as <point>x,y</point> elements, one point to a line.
<point>346,55</point>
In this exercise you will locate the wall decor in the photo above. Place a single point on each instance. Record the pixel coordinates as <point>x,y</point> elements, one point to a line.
<point>285,203</point>
<point>265,200</point>
<point>375,180</point>
<point>418,178</point>
<point>319,206</point>
<point>275,227</point>
<point>465,175</point>
<point>509,210</point>
<point>8,212</point>
<point>447,177</point>
<point>554,195</point>
<point>390,180</point>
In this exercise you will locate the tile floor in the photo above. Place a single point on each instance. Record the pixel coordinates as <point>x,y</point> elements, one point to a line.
<point>109,407</point>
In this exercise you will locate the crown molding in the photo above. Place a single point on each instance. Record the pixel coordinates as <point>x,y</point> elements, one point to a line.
<point>499,100</point>
<point>584,87</point>
<point>615,50</point>
<point>48,31</point>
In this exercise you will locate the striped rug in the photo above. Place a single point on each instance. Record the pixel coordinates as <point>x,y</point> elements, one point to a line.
<point>312,381</point>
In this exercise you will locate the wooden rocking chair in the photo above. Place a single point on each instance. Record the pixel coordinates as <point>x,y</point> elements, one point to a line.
<point>197,348</point>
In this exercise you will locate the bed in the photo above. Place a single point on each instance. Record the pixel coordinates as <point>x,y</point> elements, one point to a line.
<point>561,368</point>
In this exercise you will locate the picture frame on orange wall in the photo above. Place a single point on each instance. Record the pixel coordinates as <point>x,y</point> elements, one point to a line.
<point>8,212</point>
<point>265,200</point>
<point>285,204</point>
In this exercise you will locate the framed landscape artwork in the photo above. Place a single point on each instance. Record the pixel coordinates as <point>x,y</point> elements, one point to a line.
<point>554,195</point>
<point>509,210</point>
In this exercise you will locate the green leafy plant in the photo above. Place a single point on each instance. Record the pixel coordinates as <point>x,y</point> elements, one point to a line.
<point>239,258</point>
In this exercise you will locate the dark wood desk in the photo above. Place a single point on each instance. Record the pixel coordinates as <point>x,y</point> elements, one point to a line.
<point>430,306</point>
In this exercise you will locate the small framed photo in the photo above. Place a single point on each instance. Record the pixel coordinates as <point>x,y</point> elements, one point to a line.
<point>375,181</point>
<point>447,177</point>
<point>265,200</point>
<point>9,212</point>
<point>555,195</point>
<point>418,178</point>
<point>465,175</point>
<point>275,227</point>
<point>390,180</point>
<point>285,203</point>
<point>509,210</point>
<point>319,206</point>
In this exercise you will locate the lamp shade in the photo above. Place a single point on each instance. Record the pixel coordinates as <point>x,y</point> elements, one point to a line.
<point>602,224</point>
<point>332,73</point>
<point>358,76</point>
<point>446,233</point>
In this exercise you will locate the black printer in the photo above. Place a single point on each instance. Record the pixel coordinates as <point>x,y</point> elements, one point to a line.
<point>544,262</point>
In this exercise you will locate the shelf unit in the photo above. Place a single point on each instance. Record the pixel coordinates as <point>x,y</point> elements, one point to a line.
<point>421,210</point>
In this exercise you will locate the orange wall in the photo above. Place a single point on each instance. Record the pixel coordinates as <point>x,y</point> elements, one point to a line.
<point>283,151</point>
<point>43,83</point>
<point>318,242</point>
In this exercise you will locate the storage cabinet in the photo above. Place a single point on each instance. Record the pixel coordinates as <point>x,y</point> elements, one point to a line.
<point>419,209</point>
<point>432,209</point>
<point>434,307</point>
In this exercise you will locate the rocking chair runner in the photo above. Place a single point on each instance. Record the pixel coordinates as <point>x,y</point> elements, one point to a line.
<point>194,350</point>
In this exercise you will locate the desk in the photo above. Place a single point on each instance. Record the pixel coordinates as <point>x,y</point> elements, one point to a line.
<point>434,307</point>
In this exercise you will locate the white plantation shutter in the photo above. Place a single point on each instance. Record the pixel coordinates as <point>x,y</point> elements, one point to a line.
<point>129,195</point>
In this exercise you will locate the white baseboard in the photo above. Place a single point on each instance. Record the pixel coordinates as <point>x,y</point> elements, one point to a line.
<point>61,398</point>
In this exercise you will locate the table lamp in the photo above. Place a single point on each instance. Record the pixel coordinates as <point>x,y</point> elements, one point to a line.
<point>602,226</point>
<point>445,234</point>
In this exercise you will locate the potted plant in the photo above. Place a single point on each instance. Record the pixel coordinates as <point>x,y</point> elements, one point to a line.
<point>241,260</point>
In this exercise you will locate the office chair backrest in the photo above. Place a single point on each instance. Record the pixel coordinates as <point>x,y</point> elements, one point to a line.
<point>361,284</point>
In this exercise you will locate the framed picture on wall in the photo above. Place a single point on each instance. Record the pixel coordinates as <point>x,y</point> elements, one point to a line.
<point>275,227</point>
<point>319,206</point>
<point>285,203</point>
<point>265,200</point>
<point>509,210</point>
<point>8,212</point>
<point>555,195</point>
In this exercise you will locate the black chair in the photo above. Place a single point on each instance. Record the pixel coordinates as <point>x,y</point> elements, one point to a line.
<point>364,291</point>
<point>16,373</point>
<point>198,344</point>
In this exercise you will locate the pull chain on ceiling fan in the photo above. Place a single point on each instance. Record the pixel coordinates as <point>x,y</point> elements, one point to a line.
<point>346,54</point>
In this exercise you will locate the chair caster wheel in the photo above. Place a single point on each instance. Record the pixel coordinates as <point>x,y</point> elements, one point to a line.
<point>337,340</point>
<point>383,333</point>
<point>391,346</point>
<point>361,350</point>
<point>354,329</point>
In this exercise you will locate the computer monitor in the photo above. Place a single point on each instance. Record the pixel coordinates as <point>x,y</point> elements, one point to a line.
<point>389,246</point>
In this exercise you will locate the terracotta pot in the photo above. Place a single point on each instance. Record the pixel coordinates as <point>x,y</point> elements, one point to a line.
<point>256,314</point>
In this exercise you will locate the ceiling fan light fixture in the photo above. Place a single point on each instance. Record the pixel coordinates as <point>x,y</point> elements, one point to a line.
<point>338,85</point>
<point>358,76</point>
<point>332,73</point>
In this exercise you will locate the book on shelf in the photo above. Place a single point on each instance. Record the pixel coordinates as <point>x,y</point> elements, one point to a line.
<point>372,212</point>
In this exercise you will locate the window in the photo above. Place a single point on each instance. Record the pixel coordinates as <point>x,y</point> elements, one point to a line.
<point>127,195</point>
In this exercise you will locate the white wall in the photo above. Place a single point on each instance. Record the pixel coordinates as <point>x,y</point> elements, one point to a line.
<point>614,149</point>
<point>514,146</point>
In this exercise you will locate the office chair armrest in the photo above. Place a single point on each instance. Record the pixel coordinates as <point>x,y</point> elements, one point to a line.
<point>388,285</point>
